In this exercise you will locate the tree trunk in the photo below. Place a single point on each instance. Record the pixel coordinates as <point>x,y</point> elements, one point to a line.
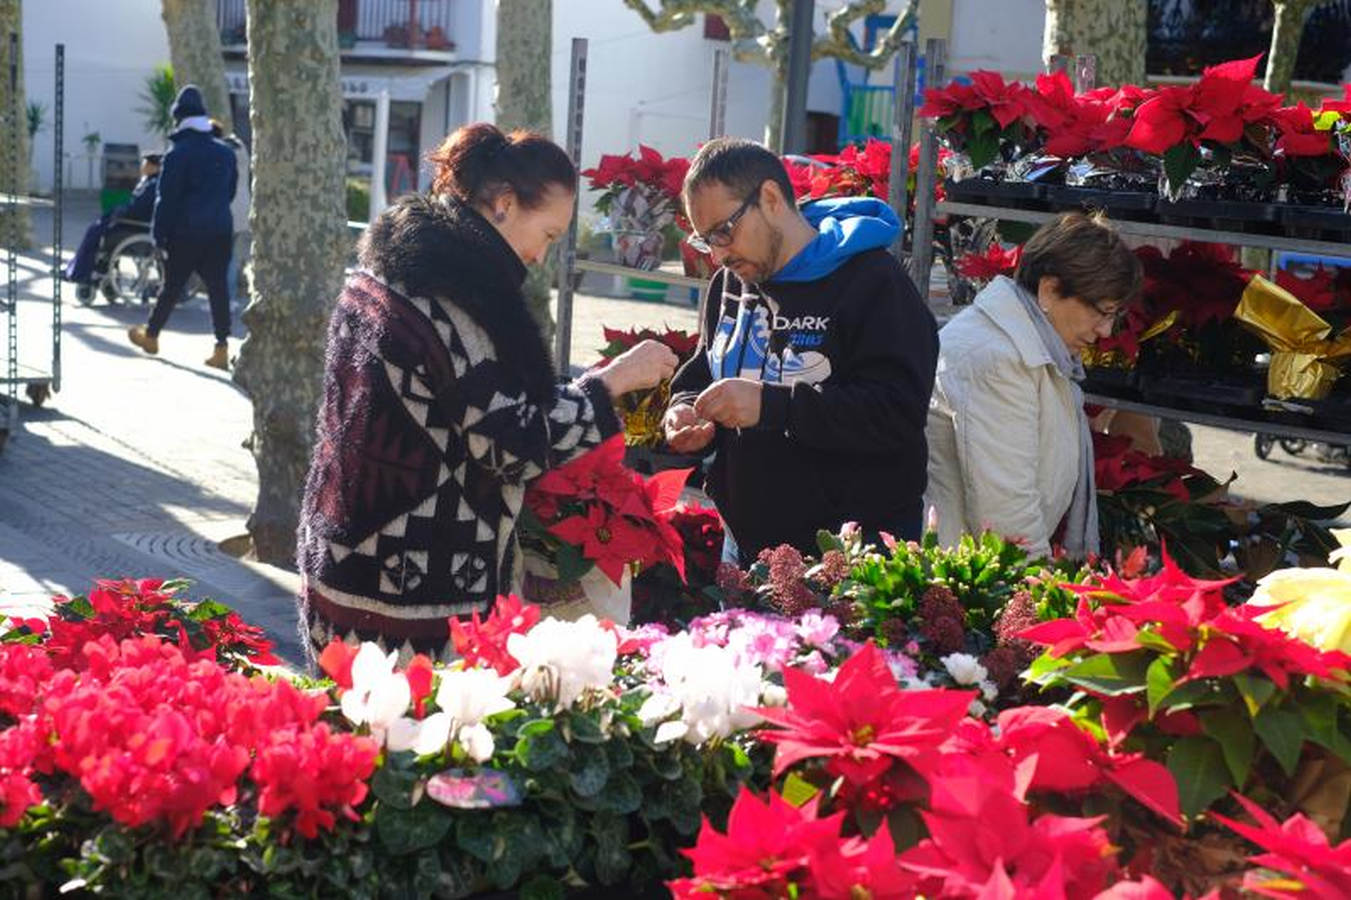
<point>195,52</point>
<point>778,98</point>
<point>16,231</point>
<point>1112,30</point>
<point>524,51</point>
<point>300,243</point>
<point>1285,34</point>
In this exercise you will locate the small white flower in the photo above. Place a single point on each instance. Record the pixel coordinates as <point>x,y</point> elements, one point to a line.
<point>989,690</point>
<point>714,689</point>
<point>670,731</point>
<point>657,708</point>
<point>964,668</point>
<point>561,660</point>
<point>433,734</point>
<point>379,695</point>
<point>469,696</point>
<point>477,741</point>
<point>402,734</point>
<point>976,708</point>
<point>773,694</point>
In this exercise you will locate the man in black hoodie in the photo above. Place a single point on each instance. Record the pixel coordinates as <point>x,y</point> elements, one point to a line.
<point>816,359</point>
<point>192,222</point>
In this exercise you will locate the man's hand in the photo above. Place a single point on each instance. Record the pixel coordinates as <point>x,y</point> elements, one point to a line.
<point>685,431</point>
<point>730,402</point>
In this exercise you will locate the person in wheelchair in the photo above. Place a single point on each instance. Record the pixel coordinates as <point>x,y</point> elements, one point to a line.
<point>90,266</point>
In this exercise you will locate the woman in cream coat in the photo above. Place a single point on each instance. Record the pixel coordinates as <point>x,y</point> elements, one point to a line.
<point>1009,445</point>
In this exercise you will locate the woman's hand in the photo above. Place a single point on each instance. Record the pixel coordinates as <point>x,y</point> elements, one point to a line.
<point>647,364</point>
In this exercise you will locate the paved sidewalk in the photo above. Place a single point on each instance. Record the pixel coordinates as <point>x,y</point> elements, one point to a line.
<point>136,467</point>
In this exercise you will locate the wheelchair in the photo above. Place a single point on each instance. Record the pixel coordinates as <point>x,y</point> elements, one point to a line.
<point>127,266</point>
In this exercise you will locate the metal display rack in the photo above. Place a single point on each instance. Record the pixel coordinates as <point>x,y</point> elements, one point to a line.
<point>38,383</point>
<point>571,268</point>
<point>1083,76</point>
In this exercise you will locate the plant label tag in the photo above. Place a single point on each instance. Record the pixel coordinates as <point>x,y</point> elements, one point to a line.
<point>484,789</point>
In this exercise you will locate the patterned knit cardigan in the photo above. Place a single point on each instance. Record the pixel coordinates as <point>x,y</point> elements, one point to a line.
<point>440,405</point>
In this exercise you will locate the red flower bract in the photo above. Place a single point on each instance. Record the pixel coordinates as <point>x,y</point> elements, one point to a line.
<point>484,642</point>
<point>861,722</point>
<point>766,845</point>
<point>1310,867</point>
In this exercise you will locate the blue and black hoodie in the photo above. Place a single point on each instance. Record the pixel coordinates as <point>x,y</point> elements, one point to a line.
<point>846,349</point>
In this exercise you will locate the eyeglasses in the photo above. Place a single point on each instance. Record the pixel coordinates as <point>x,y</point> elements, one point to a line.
<point>1115,316</point>
<point>721,235</point>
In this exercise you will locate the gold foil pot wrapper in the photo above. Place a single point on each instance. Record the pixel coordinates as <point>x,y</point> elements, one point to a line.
<point>642,413</point>
<point>1099,358</point>
<point>1304,361</point>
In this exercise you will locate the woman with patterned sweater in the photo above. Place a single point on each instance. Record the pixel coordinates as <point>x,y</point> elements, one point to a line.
<point>440,400</point>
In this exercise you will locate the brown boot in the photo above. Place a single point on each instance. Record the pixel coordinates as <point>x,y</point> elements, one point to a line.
<point>143,339</point>
<point>219,358</point>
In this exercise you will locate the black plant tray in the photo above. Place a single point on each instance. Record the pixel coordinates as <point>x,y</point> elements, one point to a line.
<point>1121,204</point>
<point>1123,383</point>
<point>1224,215</point>
<point>1315,221</point>
<point>1204,392</point>
<point>1019,194</point>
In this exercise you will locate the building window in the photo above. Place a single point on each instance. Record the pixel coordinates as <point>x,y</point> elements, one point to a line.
<point>1185,36</point>
<point>401,147</point>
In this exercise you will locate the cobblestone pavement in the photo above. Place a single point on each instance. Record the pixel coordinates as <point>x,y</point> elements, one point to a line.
<point>136,467</point>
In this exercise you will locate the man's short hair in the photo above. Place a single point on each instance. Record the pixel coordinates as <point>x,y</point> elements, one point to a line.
<point>153,159</point>
<point>740,165</point>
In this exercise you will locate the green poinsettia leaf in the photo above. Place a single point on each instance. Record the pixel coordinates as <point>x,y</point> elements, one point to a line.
<point>1198,766</point>
<point>1282,733</point>
<point>1111,674</point>
<point>1233,731</point>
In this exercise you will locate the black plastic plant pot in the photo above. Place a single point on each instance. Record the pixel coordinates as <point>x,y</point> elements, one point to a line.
<point>1205,392</point>
<point>1317,222</point>
<point>1119,204</point>
<point>1224,215</point>
<point>1122,383</point>
<point>970,190</point>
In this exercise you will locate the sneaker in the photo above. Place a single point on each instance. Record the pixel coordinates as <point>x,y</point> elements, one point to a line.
<point>143,339</point>
<point>219,358</point>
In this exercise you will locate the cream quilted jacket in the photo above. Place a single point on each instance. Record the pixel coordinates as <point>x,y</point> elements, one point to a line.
<point>1003,428</point>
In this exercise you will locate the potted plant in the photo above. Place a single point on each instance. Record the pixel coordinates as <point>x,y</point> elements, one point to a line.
<point>587,525</point>
<point>641,196</point>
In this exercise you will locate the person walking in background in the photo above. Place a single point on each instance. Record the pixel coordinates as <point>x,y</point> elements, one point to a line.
<point>815,362</point>
<point>192,223</point>
<point>1009,443</point>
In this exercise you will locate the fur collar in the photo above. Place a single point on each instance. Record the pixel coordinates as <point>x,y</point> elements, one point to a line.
<point>439,247</point>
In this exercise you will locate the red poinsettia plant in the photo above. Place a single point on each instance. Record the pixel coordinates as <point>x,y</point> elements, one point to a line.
<point>981,117</point>
<point>896,793</point>
<point>993,261</point>
<point>1162,665</point>
<point>595,511</point>
<point>657,178</point>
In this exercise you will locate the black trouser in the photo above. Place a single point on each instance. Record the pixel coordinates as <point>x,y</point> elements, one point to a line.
<point>209,258</point>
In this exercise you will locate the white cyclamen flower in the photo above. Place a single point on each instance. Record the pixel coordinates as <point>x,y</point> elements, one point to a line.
<point>964,668</point>
<point>560,660</point>
<point>714,689</point>
<point>465,697</point>
<point>379,695</point>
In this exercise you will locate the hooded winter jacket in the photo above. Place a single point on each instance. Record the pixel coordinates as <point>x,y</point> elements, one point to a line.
<point>196,184</point>
<point>846,350</point>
